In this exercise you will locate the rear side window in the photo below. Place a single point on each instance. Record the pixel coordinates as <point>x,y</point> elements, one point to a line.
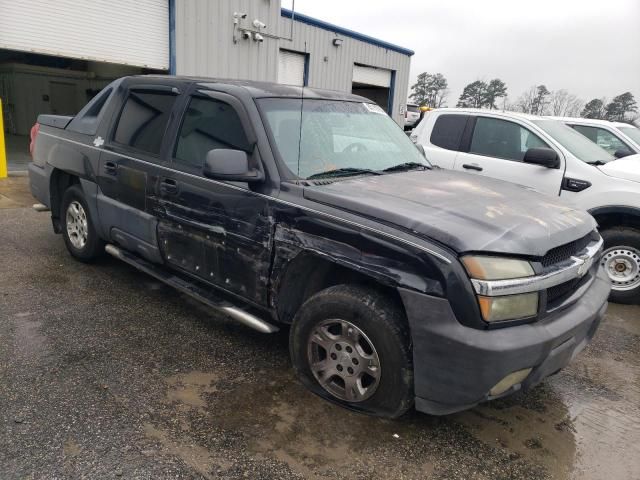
<point>144,120</point>
<point>208,124</point>
<point>88,118</point>
<point>448,130</point>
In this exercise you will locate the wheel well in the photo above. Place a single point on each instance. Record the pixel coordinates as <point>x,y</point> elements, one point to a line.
<point>59,182</point>
<point>308,274</point>
<point>617,219</point>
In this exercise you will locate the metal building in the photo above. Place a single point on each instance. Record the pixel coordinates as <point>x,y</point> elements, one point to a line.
<point>54,56</point>
<point>292,48</point>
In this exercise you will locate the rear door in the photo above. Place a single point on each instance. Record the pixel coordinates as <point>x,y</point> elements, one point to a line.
<point>130,162</point>
<point>441,135</point>
<point>496,148</point>
<point>218,231</point>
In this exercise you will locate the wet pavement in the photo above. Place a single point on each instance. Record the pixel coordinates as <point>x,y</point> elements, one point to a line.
<point>106,373</point>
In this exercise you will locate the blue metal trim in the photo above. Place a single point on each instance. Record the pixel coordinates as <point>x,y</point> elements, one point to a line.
<point>172,37</point>
<point>392,88</point>
<point>298,17</point>
<point>305,78</point>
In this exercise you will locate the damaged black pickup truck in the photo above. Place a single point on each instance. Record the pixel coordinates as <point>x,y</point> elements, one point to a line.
<point>402,284</point>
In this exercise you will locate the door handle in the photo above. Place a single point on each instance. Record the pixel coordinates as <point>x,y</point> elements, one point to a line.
<point>169,186</point>
<point>110,168</point>
<point>472,166</point>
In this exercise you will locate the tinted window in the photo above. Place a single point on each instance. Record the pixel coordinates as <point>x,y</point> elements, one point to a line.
<point>208,124</point>
<point>447,132</point>
<point>503,139</point>
<point>143,121</point>
<point>413,108</point>
<point>602,137</point>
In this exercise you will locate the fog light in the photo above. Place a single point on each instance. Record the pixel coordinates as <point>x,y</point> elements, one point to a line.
<point>509,381</point>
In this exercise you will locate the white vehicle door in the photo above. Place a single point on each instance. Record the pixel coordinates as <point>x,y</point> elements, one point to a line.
<point>496,148</point>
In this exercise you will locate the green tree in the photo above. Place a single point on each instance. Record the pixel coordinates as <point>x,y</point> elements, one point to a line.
<point>496,89</point>
<point>541,100</point>
<point>473,95</point>
<point>620,106</point>
<point>430,90</point>
<point>594,109</point>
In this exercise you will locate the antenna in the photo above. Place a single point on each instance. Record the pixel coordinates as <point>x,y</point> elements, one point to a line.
<point>301,110</point>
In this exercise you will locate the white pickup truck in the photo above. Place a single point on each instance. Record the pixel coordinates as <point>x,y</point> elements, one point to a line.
<point>548,156</point>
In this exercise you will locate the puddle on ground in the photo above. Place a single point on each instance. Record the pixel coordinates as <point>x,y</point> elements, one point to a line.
<point>190,389</point>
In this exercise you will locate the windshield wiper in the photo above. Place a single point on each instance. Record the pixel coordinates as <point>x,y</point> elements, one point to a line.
<point>597,163</point>
<point>343,172</point>
<point>403,167</point>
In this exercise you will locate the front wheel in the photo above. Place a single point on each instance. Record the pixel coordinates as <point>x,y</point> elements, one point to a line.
<point>621,261</point>
<point>350,344</point>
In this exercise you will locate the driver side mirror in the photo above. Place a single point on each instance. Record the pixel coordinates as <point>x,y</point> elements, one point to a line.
<point>230,165</point>
<point>545,157</point>
<point>623,152</point>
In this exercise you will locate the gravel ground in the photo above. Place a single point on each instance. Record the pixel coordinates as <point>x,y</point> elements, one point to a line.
<point>106,373</point>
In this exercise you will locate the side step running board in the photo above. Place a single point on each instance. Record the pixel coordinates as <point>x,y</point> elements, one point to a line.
<point>192,290</point>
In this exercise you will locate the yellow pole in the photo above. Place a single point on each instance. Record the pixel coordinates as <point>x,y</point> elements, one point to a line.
<point>3,150</point>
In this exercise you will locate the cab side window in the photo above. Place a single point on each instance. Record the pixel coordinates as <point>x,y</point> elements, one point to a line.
<point>602,138</point>
<point>143,121</point>
<point>208,124</point>
<point>447,131</point>
<point>497,138</point>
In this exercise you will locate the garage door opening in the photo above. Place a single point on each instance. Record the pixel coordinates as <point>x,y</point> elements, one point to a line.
<point>376,84</point>
<point>33,84</point>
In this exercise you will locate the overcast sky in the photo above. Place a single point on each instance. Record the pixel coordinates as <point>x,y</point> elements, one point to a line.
<point>589,47</point>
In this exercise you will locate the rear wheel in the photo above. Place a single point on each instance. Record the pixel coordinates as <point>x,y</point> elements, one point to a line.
<point>350,344</point>
<point>78,230</point>
<point>621,261</point>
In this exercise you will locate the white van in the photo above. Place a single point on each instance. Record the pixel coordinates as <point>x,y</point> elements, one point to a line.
<point>546,155</point>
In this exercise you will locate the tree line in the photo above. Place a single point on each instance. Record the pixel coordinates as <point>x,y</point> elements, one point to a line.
<point>432,90</point>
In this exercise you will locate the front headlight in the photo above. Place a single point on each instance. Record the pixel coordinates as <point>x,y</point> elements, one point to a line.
<point>508,307</point>
<point>496,268</point>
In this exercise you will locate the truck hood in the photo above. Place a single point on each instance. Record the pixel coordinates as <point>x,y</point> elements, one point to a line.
<point>627,168</point>
<point>462,211</point>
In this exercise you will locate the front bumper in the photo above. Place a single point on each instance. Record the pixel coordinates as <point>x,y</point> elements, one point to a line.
<point>456,366</point>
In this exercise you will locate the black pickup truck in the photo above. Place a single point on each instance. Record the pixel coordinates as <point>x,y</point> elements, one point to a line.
<point>402,284</point>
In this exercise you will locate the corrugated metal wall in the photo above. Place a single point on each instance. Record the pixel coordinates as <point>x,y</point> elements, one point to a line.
<point>204,46</point>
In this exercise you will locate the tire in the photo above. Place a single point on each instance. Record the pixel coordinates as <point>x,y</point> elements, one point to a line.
<point>337,316</point>
<point>77,226</point>
<point>621,261</point>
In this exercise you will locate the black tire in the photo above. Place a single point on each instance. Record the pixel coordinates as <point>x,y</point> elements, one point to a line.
<point>628,240</point>
<point>384,325</point>
<point>93,248</point>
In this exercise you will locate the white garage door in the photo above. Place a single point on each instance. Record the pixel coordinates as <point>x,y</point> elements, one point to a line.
<point>291,68</point>
<point>371,76</point>
<point>117,31</point>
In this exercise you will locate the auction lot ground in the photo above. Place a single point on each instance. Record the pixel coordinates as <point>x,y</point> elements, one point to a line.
<point>105,373</point>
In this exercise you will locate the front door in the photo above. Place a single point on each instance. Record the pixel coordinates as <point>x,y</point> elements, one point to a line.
<point>497,150</point>
<point>218,231</point>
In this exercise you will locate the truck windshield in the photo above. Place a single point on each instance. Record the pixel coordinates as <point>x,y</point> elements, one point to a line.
<point>337,138</point>
<point>632,132</point>
<point>582,148</point>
